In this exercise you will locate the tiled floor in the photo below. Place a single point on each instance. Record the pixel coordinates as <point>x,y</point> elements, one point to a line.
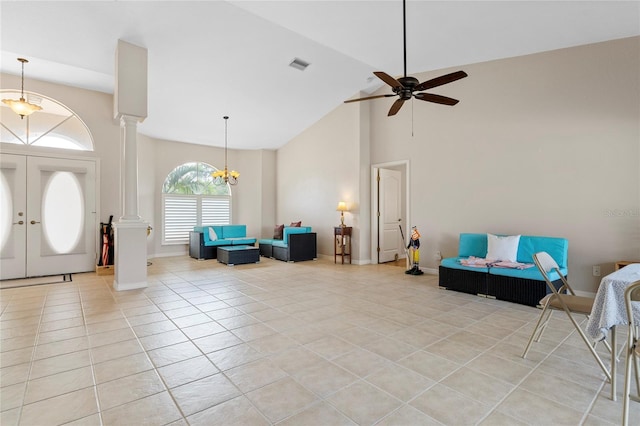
<point>310,343</point>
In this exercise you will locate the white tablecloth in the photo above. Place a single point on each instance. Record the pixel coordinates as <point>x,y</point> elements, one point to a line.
<point>609,308</point>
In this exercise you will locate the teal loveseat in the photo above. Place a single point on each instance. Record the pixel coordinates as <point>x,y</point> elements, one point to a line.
<point>524,286</point>
<point>205,240</point>
<point>298,243</point>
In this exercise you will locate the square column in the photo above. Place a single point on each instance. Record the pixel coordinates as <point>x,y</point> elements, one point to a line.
<point>130,255</point>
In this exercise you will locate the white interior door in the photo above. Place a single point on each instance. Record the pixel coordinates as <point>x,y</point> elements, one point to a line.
<point>58,234</point>
<point>13,208</point>
<point>390,214</point>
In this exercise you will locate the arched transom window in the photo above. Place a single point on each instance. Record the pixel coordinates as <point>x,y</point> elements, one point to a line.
<point>190,198</point>
<point>55,126</point>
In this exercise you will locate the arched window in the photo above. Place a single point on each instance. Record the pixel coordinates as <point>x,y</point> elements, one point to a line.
<point>190,198</point>
<point>55,126</point>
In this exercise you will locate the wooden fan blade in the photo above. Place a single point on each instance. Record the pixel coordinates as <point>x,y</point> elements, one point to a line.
<point>439,81</point>
<point>388,79</point>
<point>438,99</point>
<point>395,107</point>
<point>369,97</point>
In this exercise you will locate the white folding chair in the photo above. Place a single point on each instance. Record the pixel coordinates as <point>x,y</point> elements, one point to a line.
<point>631,295</point>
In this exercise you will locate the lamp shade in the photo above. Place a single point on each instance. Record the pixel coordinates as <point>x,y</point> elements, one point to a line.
<point>342,206</point>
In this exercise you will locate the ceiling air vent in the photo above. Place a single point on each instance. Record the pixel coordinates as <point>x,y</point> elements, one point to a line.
<point>299,64</point>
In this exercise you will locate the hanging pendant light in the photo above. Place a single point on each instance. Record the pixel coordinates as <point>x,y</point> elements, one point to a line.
<point>223,177</point>
<point>22,107</point>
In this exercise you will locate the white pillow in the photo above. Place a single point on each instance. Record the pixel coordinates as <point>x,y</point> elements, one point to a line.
<point>502,248</point>
<point>212,234</point>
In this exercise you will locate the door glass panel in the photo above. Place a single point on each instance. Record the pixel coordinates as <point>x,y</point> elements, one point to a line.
<point>6,209</point>
<point>63,212</point>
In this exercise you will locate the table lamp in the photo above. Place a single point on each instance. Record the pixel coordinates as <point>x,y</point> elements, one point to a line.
<point>342,207</point>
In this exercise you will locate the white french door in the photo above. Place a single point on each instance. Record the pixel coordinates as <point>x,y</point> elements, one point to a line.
<point>47,216</point>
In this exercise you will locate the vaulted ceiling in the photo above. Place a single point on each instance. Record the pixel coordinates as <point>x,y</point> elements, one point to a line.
<point>208,59</point>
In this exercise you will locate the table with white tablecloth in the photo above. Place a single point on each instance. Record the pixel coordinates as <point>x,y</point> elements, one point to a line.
<point>609,309</point>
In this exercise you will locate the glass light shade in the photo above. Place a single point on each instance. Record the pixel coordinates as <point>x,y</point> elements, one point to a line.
<point>21,107</point>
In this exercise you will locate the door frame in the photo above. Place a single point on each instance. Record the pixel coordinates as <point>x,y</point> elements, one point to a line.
<point>403,166</point>
<point>31,151</point>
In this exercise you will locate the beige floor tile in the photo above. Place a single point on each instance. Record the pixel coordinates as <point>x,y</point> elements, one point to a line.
<point>115,350</point>
<point>453,351</point>
<point>400,382</point>
<point>191,320</point>
<point>12,344</point>
<point>478,386</point>
<point>364,403</point>
<point>60,363</point>
<point>149,329</point>
<point>238,412</point>
<point>330,347</point>
<point>216,342</point>
<point>449,406</point>
<point>496,418</point>
<point>174,353</point>
<point>58,384</point>
<point>129,388</point>
<point>295,359</point>
<point>110,337</point>
<point>524,405</point>
<point>320,414</point>
<point>151,410</point>
<point>253,332</point>
<point>63,334</point>
<point>168,338</point>
<point>361,362</point>
<point>14,374</point>
<point>202,330</point>
<point>10,417</point>
<point>281,399</point>
<point>12,396</point>
<point>273,344</point>
<point>91,420</point>
<point>324,378</point>
<point>390,348</point>
<point>204,393</point>
<point>60,348</point>
<point>60,324</point>
<point>500,368</point>
<point>187,371</point>
<point>251,376</point>
<point>407,415</point>
<point>549,386</point>
<point>121,367</point>
<point>61,409</point>
<point>18,356</point>
<point>228,358</point>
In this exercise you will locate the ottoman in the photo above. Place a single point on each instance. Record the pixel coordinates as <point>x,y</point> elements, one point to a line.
<point>238,255</point>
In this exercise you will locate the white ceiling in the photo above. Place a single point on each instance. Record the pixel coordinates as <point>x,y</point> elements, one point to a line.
<point>208,59</point>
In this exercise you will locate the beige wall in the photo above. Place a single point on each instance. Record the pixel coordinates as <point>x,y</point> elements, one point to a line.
<point>156,158</point>
<point>545,144</point>
<point>316,170</point>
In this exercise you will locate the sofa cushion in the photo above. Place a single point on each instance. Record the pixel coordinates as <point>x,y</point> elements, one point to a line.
<point>502,247</point>
<point>528,273</point>
<point>472,245</point>
<point>277,232</point>
<point>233,231</point>
<point>240,241</point>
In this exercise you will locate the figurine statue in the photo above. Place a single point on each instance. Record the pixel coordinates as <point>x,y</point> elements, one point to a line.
<point>414,246</point>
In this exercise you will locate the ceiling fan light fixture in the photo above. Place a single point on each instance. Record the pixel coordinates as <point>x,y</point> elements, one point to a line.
<point>299,64</point>
<point>21,106</point>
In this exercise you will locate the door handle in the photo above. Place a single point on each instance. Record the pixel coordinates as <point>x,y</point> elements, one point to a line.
<point>19,222</point>
<point>33,222</point>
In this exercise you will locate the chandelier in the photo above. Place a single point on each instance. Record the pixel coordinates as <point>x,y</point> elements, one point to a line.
<point>22,107</point>
<point>223,177</point>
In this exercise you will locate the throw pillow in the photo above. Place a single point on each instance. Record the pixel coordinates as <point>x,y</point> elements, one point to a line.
<point>212,234</point>
<point>502,248</point>
<point>277,232</point>
<point>296,224</point>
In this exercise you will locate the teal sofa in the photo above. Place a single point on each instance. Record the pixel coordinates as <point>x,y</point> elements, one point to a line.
<point>298,243</point>
<point>201,246</point>
<point>524,286</point>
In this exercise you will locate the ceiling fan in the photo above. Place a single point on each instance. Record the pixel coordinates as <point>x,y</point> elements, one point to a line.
<point>407,86</point>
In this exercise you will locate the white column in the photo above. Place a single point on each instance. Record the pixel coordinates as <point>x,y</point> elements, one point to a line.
<point>130,162</point>
<point>131,231</point>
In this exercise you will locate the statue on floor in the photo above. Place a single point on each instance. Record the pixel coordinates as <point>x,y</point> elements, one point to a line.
<point>414,246</point>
